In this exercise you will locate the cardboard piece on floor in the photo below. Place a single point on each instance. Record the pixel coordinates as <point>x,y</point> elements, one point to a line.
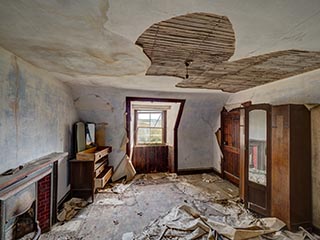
<point>71,208</point>
<point>124,169</point>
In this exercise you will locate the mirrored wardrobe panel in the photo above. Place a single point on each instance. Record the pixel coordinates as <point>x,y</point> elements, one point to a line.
<point>257,158</point>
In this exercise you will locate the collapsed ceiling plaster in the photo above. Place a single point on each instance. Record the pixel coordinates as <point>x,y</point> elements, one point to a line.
<point>196,47</point>
<point>253,71</point>
<point>199,39</point>
<point>92,42</point>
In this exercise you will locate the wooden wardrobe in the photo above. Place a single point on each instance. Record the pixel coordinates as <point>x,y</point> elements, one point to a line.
<point>288,173</point>
<point>291,165</point>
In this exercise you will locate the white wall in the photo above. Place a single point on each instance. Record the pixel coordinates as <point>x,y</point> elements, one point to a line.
<point>171,121</point>
<point>301,89</point>
<point>36,115</point>
<point>197,146</point>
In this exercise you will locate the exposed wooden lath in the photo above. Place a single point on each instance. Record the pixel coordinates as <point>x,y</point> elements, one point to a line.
<point>200,37</point>
<point>254,71</point>
<point>208,41</point>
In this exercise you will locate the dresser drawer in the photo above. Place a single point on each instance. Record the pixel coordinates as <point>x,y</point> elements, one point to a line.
<point>103,178</point>
<point>101,166</point>
<point>94,153</point>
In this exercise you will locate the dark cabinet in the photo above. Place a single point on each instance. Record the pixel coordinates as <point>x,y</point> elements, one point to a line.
<point>291,165</point>
<point>90,171</point>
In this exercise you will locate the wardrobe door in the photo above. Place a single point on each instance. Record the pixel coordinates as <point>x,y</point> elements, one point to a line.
<point>230,122</point>
<point>257,164</point>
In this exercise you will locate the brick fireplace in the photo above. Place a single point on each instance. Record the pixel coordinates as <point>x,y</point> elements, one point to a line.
<point>44,203</point>
<point>27,198</point>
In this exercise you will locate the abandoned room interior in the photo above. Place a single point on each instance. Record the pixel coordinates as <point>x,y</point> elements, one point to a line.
<point>146,119</point>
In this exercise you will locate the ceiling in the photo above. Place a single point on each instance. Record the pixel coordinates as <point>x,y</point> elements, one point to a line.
<point>93,42</point>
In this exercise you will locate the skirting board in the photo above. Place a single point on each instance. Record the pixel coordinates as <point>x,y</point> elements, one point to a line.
<point>198,171</point>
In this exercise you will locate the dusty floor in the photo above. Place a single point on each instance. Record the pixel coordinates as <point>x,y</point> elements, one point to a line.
<point>136,210</point>
<point>146,198</point>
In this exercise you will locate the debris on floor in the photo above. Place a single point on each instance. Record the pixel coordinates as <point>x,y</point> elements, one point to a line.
<point>185,222</point>
<point>71,208</point>
<point>167,206</point>
<point>110,201</point>
<point>209,178</point>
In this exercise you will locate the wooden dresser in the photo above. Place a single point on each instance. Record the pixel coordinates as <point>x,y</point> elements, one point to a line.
<point>291,165</point>
<point>90,171</point>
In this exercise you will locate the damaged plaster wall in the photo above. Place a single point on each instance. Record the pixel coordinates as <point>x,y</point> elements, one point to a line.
<point>315,136</point>
<point>197,146</point>
<point>302,89</point>
<point>36,115</point>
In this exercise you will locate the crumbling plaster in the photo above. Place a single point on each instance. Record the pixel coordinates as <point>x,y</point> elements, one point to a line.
<point>36,115</point>
<point>92,41</point>
<point>197,146</point>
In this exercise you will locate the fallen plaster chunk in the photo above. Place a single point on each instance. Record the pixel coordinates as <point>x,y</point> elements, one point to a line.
<point>128,236</point>
<point>110,201</point>
<point>120,187</point>
<point>209,178</point>
<point>185,222</point>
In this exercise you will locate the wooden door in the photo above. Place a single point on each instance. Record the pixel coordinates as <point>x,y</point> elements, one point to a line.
<point>230,135</point>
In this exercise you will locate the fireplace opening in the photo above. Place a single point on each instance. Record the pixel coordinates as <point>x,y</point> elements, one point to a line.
<point>24,224</point>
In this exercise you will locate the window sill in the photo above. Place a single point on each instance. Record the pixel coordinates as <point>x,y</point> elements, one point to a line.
<point>151,145</point>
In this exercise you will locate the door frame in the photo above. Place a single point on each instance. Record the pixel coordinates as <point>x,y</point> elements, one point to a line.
<point>175,129</point>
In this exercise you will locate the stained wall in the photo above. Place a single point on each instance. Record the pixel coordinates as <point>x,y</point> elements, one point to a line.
<point>36,115</point>
<point>197,145</point>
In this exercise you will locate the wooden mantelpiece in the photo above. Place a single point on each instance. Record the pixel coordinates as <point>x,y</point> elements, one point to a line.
<point>30,168</point>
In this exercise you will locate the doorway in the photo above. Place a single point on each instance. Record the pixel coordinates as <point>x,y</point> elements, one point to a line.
<point>152,133</point>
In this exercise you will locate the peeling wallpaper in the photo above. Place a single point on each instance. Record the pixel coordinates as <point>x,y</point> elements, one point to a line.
<point>36,113</point>
<point>197,147</point>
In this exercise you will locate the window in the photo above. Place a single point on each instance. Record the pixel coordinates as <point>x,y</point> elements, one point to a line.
<point>150,127</point>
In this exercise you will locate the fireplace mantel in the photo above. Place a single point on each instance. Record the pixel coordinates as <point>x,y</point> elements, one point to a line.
<point>30,168</point>
<point>20,190</point>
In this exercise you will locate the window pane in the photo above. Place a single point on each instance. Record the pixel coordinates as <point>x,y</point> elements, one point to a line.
<point>149,119</point>
<point>156,119</point>
<point>143,135</point>
<point>156,135</point>
<point>149,135</point>
<point>143,119</point>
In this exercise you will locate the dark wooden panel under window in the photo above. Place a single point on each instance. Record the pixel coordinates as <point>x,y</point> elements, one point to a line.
<point>148,159</point>
<point>230,125</point>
